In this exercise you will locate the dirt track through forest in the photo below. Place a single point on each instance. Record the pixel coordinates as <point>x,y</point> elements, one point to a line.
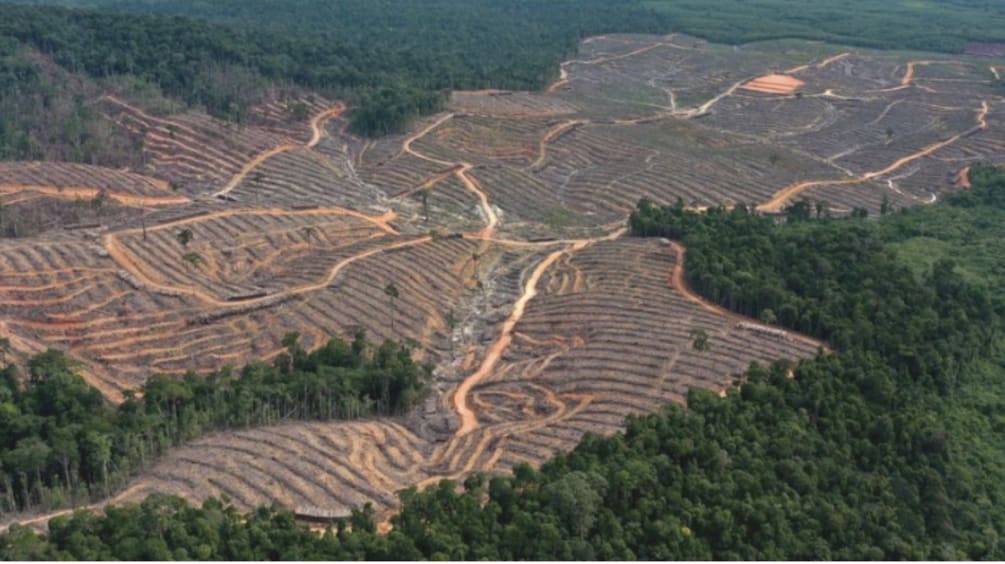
<point>678,281</point>
<point>563,79</point>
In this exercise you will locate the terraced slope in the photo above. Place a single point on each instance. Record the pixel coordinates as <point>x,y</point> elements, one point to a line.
<point>500,223</point>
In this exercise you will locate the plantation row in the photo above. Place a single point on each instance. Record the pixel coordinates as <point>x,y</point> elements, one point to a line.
<point>74,296</point>
<point>511,104</point>
<point>193,148</point>
<point>224,255</point>
<point>512,141</point>
<point>304,177</point>
<point>316,469</point>
<point>65,444</point>
<point>287,116</point>
<point>588,344</point>
<point>66,175</point>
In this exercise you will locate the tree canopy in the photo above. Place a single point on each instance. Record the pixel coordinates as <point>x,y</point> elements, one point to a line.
<point>61,442</point>
<point>889,448</point>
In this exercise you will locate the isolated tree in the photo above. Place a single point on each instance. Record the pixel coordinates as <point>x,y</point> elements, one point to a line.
<point>194,259</point>
<point>451,325</point>
<point>99,200</point>
<point>309,232</point>
<point>185,237</point>
<point>4,350</point>
<point>424,194</point>
<point>476,257</point>
<point>699,340</point>
<point>300,111</point>
<point>392,293</point>
<point>768,316</point>
<point>821,208</point>
<point>885,207</point>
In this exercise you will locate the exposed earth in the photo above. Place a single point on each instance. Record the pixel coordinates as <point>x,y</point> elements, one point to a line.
<point>500,222</point>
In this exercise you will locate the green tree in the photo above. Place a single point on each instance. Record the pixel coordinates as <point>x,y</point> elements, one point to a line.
<point>193,259</point>
<point>392,293</point>
<point>699,340</point>
<point>184,237</point>
<point>5,347</point>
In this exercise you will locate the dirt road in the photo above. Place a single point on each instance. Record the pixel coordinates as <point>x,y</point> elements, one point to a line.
<point>783,196</point>
<point>678,282</point>
<point>317,130</point>
<point>85,193</point>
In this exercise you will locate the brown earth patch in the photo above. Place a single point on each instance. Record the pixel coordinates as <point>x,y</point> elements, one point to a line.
<point>774,84</point>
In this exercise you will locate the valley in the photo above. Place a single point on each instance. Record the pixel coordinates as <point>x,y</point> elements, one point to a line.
<point>500,223</point>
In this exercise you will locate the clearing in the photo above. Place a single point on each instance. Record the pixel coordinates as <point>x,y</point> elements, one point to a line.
<point>501,223</point>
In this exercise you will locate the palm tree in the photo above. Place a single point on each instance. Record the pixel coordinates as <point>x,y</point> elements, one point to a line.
<point>424,194</point>
<point>699,340</point>
<point>185,237</point>
<point>392,292</point>
<point>309,232</point>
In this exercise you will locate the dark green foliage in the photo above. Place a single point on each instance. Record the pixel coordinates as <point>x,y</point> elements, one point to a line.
<point>835,280</point>
<point>61,442</point>
<point>858,456</point>
<point>43,115</point>
<point>393,59</point>
<point>933,25</point>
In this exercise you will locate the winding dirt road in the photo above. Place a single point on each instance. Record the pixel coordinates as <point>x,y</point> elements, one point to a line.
<point>462,170</point>
<point>127,262</point>
<point>783,196</point>
<point>317,129</point>
<point>821,65</point>
<point>563,79</point>
<point>679,282</point>
<point>459,399</point>
<point>550,135</point>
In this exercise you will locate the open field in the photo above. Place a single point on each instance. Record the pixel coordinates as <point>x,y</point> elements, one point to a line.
<point>499,222</point>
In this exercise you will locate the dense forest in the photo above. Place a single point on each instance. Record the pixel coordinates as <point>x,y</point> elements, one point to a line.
<point>61,442</point>
<point>392,60</point>
<point>934,25</point>
<point>939,25</point>
<point>889,448</point>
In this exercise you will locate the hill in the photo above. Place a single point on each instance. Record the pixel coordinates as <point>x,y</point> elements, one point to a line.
<point>885,449</point>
